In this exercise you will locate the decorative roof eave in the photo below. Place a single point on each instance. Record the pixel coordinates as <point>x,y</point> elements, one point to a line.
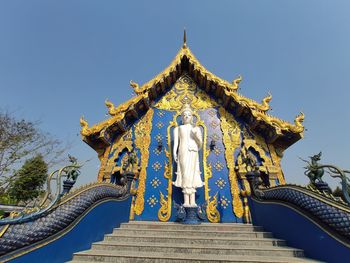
<point>152,89</point>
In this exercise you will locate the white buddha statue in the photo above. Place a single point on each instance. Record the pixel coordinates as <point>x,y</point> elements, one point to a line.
<point>187,143</point>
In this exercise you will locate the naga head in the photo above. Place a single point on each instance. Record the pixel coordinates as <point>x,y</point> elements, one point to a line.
<point>110,106</point>
<point>135,86</point>
<point>235,83</point>
<point>299,119</point>
<point>266,101</point>
<point>316,157</point>
<point>83,122</point>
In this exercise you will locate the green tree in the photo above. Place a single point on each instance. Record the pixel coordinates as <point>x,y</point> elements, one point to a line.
<point>21,139</point>
<point>28,181</point>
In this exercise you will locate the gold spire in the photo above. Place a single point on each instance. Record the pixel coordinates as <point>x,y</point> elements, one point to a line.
<point>184,45</point>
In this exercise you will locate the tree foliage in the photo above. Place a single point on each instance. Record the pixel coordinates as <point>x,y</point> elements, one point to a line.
<point>20,140</point>
<point>29,180</point>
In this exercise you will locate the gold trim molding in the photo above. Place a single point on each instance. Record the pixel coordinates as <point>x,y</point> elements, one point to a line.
<point>142,141</point>
<point>231,138</point>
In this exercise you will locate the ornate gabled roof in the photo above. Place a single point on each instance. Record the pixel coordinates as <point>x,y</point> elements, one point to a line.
<point>279,132</point>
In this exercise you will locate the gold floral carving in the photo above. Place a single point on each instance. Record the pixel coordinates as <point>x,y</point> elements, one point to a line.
<point>122,142</point>
<point>267,166</point>
<point>185,91</point>
<point>277,162</point>
<point>164,212</point>
<point>253,144</point>
<point>231,138</point>
<point>142,141</point>
<point>213,214</point>
<point>103,162</point>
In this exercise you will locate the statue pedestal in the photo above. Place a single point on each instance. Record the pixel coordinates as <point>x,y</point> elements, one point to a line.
<point>190,215</point>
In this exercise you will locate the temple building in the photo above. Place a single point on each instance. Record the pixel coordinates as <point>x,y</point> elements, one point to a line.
<point>138,137</point>
<point>190,172</point>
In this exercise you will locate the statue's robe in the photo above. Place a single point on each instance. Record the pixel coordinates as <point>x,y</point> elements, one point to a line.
<point>188,175</point>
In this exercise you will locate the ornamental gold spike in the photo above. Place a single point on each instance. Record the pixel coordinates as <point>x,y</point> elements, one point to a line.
<point>83,123</point>
<point>266,101</point>
<point>135,86</point>
<point>85,126</point>
<point>299,119</point>
<point>110,106</point>
<point>235,83</point>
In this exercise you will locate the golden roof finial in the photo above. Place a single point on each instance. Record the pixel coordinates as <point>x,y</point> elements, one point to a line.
<point>184,45</point>
<point>84,126</point>
<point>111,107</point>
<point>83,122</point>
<point>235,82</point>
<point>265,102</point>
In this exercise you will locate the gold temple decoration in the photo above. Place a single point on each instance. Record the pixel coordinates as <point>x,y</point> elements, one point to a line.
<point>213,214</point>
<point>142,141</point>
<point>269,165</point>
<point>231,138</point>
<point>84,126</point>
<point>104,159</point>
<point>164,212</point>
<point>277,162</point>
<point>235,83</point>
<point>265,102</point>
<point>118,114</point>
<point>185,91</point>
<point>247,217</point>
<point>136,88</point>
<point>120,110</point>
<point>121,143</point>
<point>229,89</point>
<point>280,124</point>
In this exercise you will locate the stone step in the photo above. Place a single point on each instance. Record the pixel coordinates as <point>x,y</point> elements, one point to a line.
<point>201,227</point>
<point>194,233</point>
<point>197,249</point>
<point>170,242</point>
<point>152,257</point>
<point>232,241</point>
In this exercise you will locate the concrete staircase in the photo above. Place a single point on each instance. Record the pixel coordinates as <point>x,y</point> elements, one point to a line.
<point>141,241</point>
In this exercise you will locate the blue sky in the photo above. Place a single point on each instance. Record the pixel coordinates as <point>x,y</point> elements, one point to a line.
<point>61,59</point>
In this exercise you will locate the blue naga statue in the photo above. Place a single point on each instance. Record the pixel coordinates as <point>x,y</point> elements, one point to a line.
<point>315,171</point>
